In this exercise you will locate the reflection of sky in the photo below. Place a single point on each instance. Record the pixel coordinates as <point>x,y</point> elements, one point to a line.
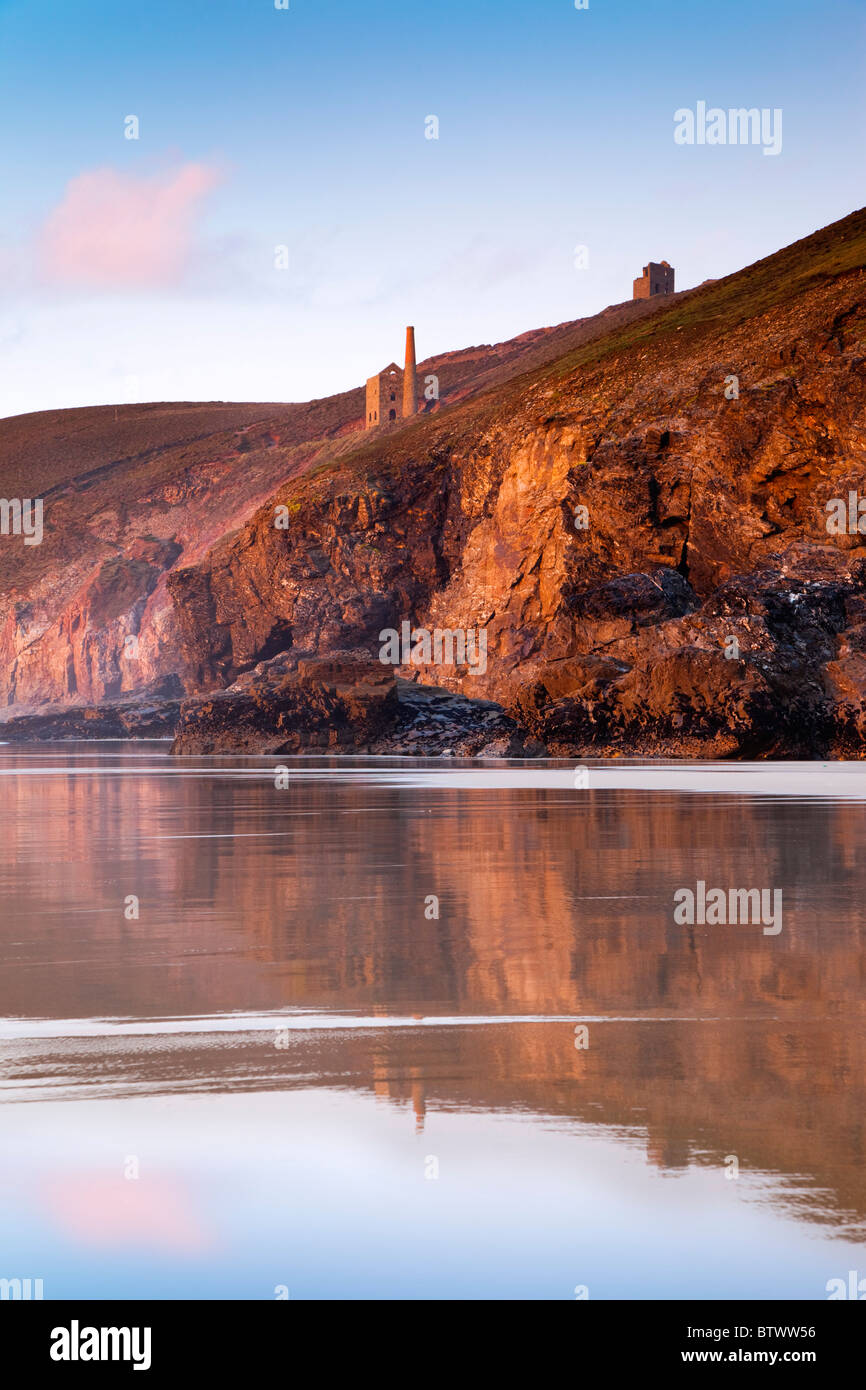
<point>325,1192</point>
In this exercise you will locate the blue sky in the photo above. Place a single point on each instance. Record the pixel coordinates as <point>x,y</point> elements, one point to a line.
<point>145,269</point>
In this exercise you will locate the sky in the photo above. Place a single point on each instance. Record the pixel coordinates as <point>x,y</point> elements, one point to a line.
<point>307,180</point>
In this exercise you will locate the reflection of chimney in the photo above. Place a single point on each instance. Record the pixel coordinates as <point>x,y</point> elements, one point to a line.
<point>409,389</point>
<point>419,1105</point>
<point>664,1150</point>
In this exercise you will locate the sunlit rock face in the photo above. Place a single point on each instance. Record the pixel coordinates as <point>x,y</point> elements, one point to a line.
<point>132,493</point>
<point>641,530</point>
<point>647,515</point>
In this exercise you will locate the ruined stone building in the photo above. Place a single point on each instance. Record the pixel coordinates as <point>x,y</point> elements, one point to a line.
<point>657,278</point>
<point>392,394</point>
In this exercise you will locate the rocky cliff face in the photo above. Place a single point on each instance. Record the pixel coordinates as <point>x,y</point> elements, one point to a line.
<point>631,519</point>
<point>639,530</point>
<point>131,493</point>
<point>126,495</point>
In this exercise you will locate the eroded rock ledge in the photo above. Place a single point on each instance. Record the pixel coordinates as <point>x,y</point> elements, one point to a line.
<point>771,664</point>
<point>347,702</point>
<point>151,714</point>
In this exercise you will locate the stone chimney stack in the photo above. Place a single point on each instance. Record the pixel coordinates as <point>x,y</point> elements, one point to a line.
<point>410,390</point>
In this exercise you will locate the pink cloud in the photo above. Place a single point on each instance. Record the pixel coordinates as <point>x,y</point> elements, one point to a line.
<point>115,229</point>
<point>107,1210</point>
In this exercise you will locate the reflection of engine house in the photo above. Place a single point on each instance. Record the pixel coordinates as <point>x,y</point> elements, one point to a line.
<point>392,393</point>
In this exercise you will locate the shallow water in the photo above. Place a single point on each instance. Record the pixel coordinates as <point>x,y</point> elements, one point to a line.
<point>324,1087</point>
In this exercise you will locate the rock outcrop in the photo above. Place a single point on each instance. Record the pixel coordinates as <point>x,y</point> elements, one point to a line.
<point>336,703</point>
<point>149,714</point>
<point>344,703</point>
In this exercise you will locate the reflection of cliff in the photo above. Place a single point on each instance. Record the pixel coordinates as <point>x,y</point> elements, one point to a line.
<point>314,896</point>
<point>551,903</point>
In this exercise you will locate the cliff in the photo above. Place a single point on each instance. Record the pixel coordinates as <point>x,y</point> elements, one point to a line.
<point>632,510</point>
<point>132,492</point>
